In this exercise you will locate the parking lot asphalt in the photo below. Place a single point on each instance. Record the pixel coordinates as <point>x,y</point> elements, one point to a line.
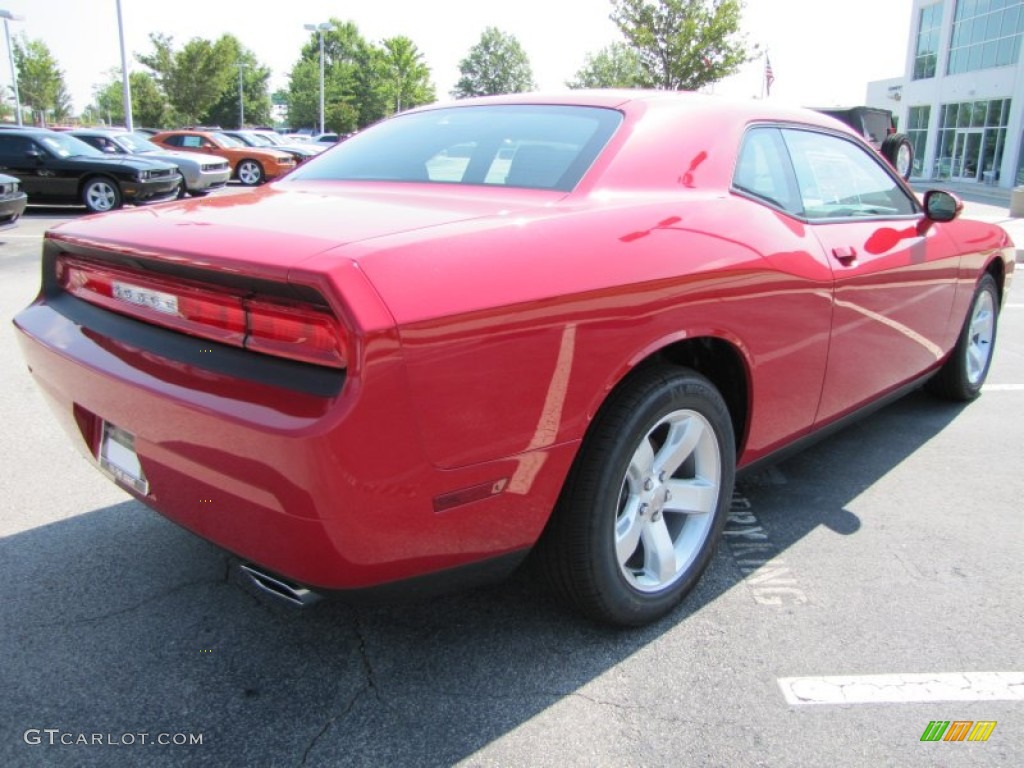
<point>891,549</point>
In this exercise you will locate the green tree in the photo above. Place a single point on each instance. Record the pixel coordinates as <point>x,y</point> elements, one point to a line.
<point>41,83</point>
<point>255,89</point>
<point>407,78</point>
<point>683,44</point>
<point>359,80</point>
<point>616,66</point>
<point>496,64</point>
<point>193,79</point>
<point>149,107</point>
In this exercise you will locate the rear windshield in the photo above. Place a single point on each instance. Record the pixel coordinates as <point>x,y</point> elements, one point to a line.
<point>537,147</point>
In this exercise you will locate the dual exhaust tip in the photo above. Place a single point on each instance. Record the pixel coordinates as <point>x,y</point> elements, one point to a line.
<point>277,587</point>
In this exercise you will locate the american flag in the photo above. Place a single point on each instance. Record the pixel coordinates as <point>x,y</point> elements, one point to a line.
<point>769,76</point>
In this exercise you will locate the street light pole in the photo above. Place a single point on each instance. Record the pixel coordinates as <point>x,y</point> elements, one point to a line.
<point>8,16</point>
<point>320,29</point>
<point>126,86</point>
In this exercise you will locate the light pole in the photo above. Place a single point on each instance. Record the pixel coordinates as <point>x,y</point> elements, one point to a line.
<point>126,85</point>
<point>320,29</point>
<point>8,16</point>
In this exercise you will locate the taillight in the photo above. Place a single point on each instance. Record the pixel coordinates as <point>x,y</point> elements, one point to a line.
<point>301,333</point>
<point>295,331</point>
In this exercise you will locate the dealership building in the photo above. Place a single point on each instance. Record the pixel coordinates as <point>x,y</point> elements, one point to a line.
<point>961,99</point>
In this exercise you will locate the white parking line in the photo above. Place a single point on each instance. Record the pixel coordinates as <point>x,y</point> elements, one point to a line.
<point>903,688</point>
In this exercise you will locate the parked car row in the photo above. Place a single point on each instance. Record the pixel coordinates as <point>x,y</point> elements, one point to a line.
<point>249,164</point>
<point>55,167</point>
<point>200,175</point>
<point>105,168</point>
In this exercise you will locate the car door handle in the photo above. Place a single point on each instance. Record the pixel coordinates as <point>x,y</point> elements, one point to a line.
<point>845,254</point>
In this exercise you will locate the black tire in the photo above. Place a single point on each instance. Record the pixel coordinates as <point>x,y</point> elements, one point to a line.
<point>963,375</point>
<point>897,149</point>
<point>603,510</point>
<point>250,173</point>
<point>101,194</point>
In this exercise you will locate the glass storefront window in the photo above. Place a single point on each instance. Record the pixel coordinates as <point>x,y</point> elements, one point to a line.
<point>986,34</point>
<point>971,140</point>
<point>928,28</point>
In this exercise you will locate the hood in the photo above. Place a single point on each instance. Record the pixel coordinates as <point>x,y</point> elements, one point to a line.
<point>279,225</point>
<point>177,158</point>
<point>130,162</point>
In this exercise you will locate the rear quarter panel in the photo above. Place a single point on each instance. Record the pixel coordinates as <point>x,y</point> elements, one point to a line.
<point>514,334</point>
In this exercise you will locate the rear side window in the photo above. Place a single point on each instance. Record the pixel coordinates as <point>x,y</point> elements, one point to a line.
<point>538,147</point>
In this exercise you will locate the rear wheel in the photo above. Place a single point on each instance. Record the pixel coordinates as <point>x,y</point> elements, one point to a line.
<point>964,373</point>
<point>646,501</point>
<point>898,150</point>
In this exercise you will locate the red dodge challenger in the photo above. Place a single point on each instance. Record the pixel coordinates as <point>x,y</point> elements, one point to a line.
<point>557,324</point>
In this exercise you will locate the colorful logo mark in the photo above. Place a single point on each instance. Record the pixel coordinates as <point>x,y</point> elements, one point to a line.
<point>958,730</point>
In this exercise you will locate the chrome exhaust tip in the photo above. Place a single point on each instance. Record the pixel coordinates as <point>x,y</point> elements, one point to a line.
<point>294,594</point>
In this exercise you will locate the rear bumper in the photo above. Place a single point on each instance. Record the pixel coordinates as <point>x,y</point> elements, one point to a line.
<point>329,490</point>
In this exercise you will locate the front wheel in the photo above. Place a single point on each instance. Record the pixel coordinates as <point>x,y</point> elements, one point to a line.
<point>646,500</point>
<point>100,195</point>
<point>963,374</point>
<point>250,173</point>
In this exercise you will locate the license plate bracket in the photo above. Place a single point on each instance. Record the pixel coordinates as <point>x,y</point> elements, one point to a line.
<point>117,457</point>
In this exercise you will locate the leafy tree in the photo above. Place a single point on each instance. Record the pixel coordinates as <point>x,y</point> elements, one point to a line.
<point>616,66</point>
<point>41,83</point>
<point>255,90</point>
<point>149,107</point>
<point>362,82</point>
<point>496,64</point>
<point>194,78</point>
<point>62,109</point>
<point>683,44</point>
<point>407,78</point>
<point>343,48</point>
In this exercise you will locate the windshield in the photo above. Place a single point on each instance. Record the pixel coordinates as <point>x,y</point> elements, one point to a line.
<point>226,140</point>
<point>255,140</point>
<point>68,146</point>
<point>133,142</point>
<point>532,146</point>
<point>272,138</point>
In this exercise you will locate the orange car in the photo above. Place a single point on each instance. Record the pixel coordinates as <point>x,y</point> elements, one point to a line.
<point>250,165</point>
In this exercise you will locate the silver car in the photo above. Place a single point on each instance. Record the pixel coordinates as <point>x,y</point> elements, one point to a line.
<point>201,174</point>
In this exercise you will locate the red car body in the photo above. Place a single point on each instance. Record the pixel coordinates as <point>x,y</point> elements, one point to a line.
<point>478,330</point>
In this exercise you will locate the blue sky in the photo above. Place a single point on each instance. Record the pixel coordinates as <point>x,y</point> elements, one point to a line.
<point>822,51</point>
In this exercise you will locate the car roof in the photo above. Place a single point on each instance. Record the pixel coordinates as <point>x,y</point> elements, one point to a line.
<point>709,106</point>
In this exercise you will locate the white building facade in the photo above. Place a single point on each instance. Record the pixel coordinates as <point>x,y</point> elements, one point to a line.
<point>961,99</point>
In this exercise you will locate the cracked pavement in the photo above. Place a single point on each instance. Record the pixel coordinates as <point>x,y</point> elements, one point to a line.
<point>903,534</point>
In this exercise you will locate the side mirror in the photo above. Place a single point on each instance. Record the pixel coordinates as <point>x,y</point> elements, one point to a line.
<point>34,153</point>
<point>942,206</point>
